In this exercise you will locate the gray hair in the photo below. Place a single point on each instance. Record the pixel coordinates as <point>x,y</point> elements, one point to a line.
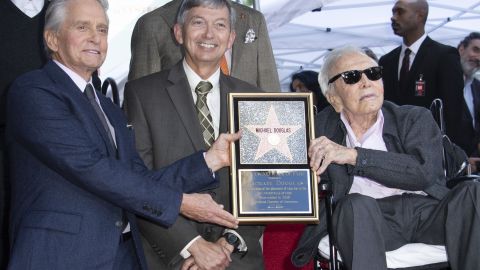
<point>56,12</point>
<point>189,4</point>
<point>330,61</point>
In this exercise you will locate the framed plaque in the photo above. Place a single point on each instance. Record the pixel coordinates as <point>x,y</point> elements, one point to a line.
<point>271,179</point>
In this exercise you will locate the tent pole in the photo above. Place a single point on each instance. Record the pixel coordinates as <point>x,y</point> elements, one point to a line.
<point>256,4</point>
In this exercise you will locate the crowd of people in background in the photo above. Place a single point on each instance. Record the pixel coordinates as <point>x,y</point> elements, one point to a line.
<point>87,185</point>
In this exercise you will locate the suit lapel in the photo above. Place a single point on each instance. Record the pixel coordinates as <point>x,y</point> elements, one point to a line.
<point>466,111</point>
<point>68,87</point>
<point>114,115</point>
<point>335,171</point>
<point>475,88</point>
<point>392,76</point>
<point>181,97</point>
<point>225,88</point>
<point>241,27</point>
<point>396,59</point>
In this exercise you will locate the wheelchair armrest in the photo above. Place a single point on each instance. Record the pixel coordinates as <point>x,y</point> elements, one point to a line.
<point>451,183</point>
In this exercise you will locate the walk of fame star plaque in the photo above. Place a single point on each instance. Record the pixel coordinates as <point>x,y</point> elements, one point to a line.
<point>271,180</point>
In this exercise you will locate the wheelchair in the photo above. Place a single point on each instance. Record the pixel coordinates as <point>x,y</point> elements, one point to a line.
<point>413,256</point>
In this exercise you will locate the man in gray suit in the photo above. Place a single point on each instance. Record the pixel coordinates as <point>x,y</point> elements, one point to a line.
<point>251,59</point>
<point>173,117</point>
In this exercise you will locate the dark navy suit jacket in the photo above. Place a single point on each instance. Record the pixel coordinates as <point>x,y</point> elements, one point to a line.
<point>70,187</point>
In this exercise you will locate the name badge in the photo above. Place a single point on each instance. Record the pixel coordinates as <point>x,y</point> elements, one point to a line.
<point>420,87</point>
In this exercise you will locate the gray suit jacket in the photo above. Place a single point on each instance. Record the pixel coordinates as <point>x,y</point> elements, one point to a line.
<point>413,161</point>
<point>154,47</point>
<point>160,107</point>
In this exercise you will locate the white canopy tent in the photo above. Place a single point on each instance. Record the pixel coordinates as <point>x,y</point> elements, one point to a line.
<point>303,41</point>
<point>300,38</point>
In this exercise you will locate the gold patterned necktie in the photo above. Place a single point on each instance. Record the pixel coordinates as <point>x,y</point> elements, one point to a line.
<point>204,117</point>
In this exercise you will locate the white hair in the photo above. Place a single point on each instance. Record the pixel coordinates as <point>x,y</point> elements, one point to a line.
<point>330,61</point>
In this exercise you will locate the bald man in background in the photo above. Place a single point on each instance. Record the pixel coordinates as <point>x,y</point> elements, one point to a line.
<point>432,69</point>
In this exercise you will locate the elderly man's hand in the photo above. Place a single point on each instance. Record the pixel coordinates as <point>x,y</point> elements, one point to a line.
<point>218,156</point>
<point>323,151</point>
<point>208,255</point>
<point>202,208</point>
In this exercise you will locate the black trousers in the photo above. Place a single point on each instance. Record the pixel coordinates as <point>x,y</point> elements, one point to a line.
<point>365,228</point>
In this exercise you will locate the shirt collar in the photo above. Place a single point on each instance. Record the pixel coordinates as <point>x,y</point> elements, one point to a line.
<point>30,7</point>
<point>469,81</point>
<point>415,46</point>
<point>193,78</point>
<point>77,79</point>
<point>376,128</point>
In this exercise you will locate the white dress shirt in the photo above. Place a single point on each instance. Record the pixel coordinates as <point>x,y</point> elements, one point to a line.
<point>30,7</point>
<point>468,96</point>
<point>414,48</point>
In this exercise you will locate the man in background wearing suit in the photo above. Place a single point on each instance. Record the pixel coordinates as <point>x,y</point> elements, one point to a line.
<point>21,50</point>
<point>154,47</point>
<point>77,180</point>
<point>170,121</point>
<point>469,49</point>
<point>421,69</point>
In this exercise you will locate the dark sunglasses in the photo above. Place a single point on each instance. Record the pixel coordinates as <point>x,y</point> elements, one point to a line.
<point>354,76</point>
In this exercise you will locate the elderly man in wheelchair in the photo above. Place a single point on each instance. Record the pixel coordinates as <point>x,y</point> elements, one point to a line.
<point>384,163</point>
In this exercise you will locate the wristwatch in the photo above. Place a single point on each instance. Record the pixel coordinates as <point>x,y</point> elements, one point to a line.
<point>233,240</point>
<point>238,245</point>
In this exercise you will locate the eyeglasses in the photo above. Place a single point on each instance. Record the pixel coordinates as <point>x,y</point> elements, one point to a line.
<point>354,76</point>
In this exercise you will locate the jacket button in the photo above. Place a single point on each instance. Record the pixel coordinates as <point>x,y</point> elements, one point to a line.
<point>364,162</point>
<point>119,224</point>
